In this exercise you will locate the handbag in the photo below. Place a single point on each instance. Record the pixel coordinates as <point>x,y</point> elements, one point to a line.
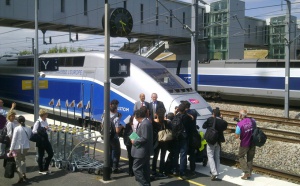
<point>10,168</point>
<point>35,137</point>
<point>165,135</point>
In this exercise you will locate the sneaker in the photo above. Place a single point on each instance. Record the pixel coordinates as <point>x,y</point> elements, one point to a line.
<point>43,172</point>
<point>246,176</point>
<point>161,176</point>
<point>213,177</point>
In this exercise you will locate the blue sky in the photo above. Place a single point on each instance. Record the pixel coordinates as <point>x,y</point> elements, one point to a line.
<point>20,39</point>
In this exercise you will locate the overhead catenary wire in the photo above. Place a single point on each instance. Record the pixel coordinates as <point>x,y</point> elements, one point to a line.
<point>163,14</point>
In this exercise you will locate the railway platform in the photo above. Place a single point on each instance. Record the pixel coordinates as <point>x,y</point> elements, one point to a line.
<point>229,175</point>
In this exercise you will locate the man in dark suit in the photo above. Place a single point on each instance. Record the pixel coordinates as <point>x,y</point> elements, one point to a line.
<point>141,103</point>
<point>142,149</point>
<point>154,105</point>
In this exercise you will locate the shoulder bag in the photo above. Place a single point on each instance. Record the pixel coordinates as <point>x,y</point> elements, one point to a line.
<point>165,134</point>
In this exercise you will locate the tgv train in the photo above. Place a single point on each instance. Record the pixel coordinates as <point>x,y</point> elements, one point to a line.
<point>80,77</point>
<point>260,80</point>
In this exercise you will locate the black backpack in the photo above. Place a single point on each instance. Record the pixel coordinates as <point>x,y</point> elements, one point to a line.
<point>259,138</point>
<point>211,135</point>
<point>178,129</point>
<point>3,135</point>
<point>112,130</point>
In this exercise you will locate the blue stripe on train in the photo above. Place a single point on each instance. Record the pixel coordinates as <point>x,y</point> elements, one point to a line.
<point>64,89</point>
<point>244,81</point>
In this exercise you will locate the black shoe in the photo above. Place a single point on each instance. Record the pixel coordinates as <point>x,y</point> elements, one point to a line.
<point>116,171</point>
<point>213,177</point>
<point>184,177</point>
<point>161,176</point>
<point>152,178</point>
<point>131,174</point>
<point>20,180</point>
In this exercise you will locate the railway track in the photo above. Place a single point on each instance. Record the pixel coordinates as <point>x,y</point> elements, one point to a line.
<point>264,118</point>
<point>265,170</point>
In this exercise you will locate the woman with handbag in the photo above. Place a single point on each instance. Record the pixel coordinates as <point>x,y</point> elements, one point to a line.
<point>160,125</point>
<point>40,128</point>
<point>19,147</point>
<point>10,125</point>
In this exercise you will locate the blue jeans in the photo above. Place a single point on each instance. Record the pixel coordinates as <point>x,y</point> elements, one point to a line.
<point>115,153</point>
<point>180,147</point>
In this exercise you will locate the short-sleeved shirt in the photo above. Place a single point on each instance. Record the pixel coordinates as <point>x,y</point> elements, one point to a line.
<point>244,128</point>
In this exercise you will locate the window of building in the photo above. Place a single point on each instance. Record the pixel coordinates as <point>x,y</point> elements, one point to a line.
<point>62,5</point>
<point>7,2</point>
<point>85,7</point>
<point>142,13</point>
<point>125,4</point>
<point>249,31</point>
<point>171,20</point>
<point>183,19</point>
<point>256,32</point>
<point>156,17</point>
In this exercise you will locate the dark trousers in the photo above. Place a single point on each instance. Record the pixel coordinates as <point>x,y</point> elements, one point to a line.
<point>115,153</point>
<point>180,147</point>
<point>45,146</point>
<point>130,159</point>
<point>141,169</point>
<point>192,158</point>
<point>162,147</point>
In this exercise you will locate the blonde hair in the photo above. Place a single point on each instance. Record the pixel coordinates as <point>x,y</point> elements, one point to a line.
<point>43,112</point>
<point>10,113</point>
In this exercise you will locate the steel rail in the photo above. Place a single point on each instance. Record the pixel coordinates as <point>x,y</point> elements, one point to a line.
<point>264,118</point>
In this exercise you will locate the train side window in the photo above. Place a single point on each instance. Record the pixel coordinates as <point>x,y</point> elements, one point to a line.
<point>117,81</point>
<point>78,61</point>
<point>69,61</point>
<point>61,61</point>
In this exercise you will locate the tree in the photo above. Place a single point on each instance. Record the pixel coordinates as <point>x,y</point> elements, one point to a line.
<point>25,52</point>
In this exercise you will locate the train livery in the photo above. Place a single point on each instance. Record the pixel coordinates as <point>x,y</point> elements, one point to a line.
<point>80,77</point>
<point>260,80</point>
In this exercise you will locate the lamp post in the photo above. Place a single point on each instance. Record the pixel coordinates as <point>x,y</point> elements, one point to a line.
<point>36,67</point>
<point>287,59</point>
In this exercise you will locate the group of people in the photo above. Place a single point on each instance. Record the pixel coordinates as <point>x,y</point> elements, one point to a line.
<point>150,118</point>
<point>18,140</point>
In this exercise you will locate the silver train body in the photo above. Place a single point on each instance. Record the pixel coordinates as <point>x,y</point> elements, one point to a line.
<point>80,77</point>
<point>261,81</point>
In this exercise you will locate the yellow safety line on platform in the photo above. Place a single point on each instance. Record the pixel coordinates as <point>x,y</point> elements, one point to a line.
<point>190,181</point>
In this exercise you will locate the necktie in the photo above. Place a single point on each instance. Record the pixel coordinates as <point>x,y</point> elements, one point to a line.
<point>154,109</point>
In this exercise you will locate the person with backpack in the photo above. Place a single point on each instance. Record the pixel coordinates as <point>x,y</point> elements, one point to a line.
<point>8,129</point>
<point>114,139</point>
<point>43,144</point>
<point>20,145</point>
<point>3,115</point>
<point>213,147</point>
<point>181,130</point>
<point>243,131</point>
<point>194,138</point>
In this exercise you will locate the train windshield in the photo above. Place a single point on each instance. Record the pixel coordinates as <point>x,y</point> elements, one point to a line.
<point>164,78</point>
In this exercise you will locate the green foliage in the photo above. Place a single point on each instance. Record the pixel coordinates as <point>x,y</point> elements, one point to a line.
<point>25,52</point>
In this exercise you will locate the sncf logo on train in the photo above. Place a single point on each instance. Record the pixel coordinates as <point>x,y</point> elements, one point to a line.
<point>48,64</point>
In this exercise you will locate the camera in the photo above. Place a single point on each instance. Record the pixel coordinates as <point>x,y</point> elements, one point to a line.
<point>236,119</point>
